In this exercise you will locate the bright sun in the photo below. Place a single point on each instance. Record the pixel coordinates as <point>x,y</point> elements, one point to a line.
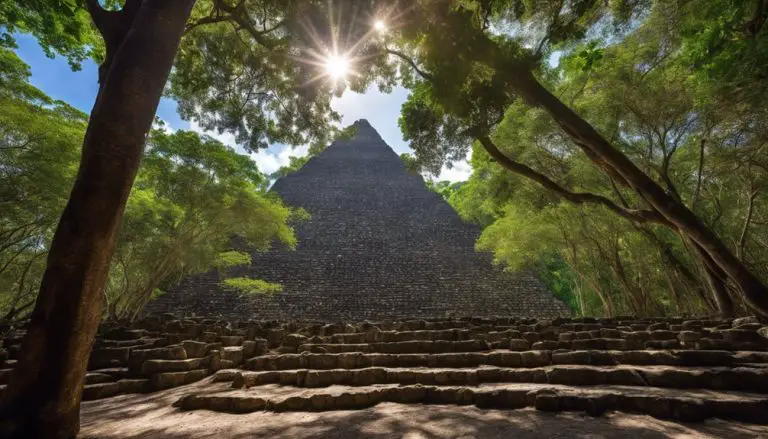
<point>380,26</point>
<point>337,66</point>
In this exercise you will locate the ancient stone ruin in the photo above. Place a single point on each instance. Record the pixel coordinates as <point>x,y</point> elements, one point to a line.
<point>379,245</point>
<point>684,370</point>
<point>374,313</point>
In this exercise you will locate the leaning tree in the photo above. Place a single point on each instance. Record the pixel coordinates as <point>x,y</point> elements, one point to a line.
<point>471,61</point>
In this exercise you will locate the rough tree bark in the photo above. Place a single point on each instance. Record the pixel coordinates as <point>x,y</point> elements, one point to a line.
<point>43,397</point>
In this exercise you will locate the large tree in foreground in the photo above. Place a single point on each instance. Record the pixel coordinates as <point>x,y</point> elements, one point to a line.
<point>266,91</point>
<point>43,397</point>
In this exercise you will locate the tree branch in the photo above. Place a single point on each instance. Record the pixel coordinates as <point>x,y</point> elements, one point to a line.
<point>405,58</point>
<point>113,26</point>
<point>103,19</point>
<point>634,215</point>
<point>245,23</point>
<point>754,25</point>
<point>207,20</point>
<point>743,236</point>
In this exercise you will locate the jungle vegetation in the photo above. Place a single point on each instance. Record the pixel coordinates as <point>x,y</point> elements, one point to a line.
<point>619,146</point>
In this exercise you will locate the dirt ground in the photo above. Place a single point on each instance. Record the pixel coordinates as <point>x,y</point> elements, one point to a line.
<point>152,416</point>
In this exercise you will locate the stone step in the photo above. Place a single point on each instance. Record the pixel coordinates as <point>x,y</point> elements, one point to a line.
<point>138,356</point>
<point>522,325</point>
<point>231,340</point>
<point>504,359</point>
<point>109,357</point>
<point>500,333</point>
<point>98,378</point>
<point>166,380</point>
<point>397,336</point>
<point>198,349</point>
<point>109,389</point>
<point>100,390</point>
<point>125,334</point>
<point>402,347</point>
<point>117,373</point>
<point>740,378</point>
<point>150,367</point>
<point>688,405</point>
<point>233,354</point>
<point>141,342</point>
<point>604,339</point>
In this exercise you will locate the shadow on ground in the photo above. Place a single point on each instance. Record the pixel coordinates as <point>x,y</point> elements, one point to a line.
<point>152,416</point>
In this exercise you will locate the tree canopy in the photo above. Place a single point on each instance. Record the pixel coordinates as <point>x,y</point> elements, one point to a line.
<point>674,87</point>
<point>631,172</point>
<point>657,83</point>
<point>168,231</point>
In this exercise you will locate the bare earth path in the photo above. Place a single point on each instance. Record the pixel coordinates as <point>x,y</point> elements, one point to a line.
<point>152,416</point>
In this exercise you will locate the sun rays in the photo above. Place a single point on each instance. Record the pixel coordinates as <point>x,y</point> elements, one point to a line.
<point>333,51</point>
<point>337,66</point>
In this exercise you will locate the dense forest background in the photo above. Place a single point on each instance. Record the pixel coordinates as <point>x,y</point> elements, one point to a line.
<point>678,87</point>
<point>192,194</point>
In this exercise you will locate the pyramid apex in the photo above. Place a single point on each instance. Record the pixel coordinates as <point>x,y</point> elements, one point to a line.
<point>364,130</point>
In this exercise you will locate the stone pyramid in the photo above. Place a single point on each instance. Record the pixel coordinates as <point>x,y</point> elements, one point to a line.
<point>379,245</point>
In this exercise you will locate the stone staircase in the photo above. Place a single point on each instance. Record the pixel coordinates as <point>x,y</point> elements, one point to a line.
<point>151,356</point>
<point>685,370</point>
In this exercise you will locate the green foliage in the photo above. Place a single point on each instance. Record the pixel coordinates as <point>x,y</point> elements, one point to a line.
<point>559,278</point>
<point>247,286</point>
<point>294,165</point>
<point>726,42</point>
<point>410,162</point>
<point>170,231</point>
<point>445,189</point>
<point>39,148</point>
<point>520,236</point>
<point>263,81</point>
<point>191,196</point>
<point>231,258</point>
<point>61,26</point>
<point>671,85</point>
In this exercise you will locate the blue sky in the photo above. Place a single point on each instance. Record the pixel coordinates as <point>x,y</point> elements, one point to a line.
<point>55,78</point>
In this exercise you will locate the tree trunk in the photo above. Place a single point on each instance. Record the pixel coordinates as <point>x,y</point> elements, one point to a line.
<point>43,396</point>
<point>615,163</point>
<point>716,280</point>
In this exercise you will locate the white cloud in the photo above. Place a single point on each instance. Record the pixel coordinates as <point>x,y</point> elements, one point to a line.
<point>459,172</point>
<point>381,110</point>
<point>225,138</point>
<point>160,123</point>
<point>268,160</point>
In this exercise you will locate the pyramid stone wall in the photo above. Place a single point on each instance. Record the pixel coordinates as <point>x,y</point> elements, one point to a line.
<point>378,245</point>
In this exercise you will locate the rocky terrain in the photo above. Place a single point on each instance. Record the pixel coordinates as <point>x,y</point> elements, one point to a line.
<point>668,369</point>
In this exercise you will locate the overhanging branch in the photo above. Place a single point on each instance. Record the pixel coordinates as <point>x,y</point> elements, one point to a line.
<point>405,58</point>
<point>240,16</point>
<point>634,215</point>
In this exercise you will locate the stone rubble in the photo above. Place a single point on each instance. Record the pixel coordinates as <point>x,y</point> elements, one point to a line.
<point>686,370</point>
